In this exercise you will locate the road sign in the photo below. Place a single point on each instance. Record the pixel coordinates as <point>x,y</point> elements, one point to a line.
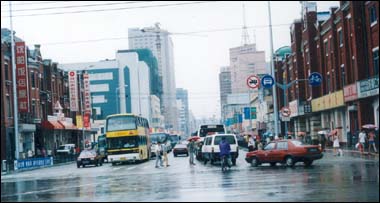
<point>253,81</point>
<point>285,112</point>
<point>267,81</point>
<point>315,79</point>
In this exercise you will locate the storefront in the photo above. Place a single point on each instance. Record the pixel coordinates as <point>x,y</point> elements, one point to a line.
<point>368,94</point>
<point>332,114</point>
<point>52,134</point>
<point>26,144</point>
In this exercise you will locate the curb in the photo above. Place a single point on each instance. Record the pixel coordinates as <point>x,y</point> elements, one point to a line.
<point>32,169</point>
<point>356,152</point>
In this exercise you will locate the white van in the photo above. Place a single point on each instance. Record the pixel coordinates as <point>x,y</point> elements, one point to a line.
<point>66,149</point>
<point>205,130</point>
<point>210,148</point>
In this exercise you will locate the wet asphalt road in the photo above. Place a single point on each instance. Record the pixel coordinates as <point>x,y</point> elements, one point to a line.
<point>329,179</point>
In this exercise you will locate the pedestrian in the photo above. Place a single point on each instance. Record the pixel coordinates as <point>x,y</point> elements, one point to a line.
<point>260,146</point>
<point>165,154</point>
<point>371,141</point>
<point>336,144</point>
<point>251,143</point>
<point>191,148</point>
<point>323,142</point>
<point>159,154</point>
<point>362,137</point>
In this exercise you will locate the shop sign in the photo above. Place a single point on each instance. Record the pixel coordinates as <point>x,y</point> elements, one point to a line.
<point>328,101</point>
<point>87,94</point>
<point>350,92</point>
<point>369,87</point>
<point>73,91</point>
<point>293,106</point>
<point>79,122</point>
<point>22,77</point>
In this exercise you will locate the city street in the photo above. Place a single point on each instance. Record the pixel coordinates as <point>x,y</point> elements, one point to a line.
<point>329,179</point>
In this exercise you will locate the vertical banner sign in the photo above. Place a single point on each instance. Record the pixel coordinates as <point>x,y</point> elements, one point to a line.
<point>73,90</point>
<point>79,122</point>
<point>87,95</point>
<point>22,75</point>
<point>86,120</point>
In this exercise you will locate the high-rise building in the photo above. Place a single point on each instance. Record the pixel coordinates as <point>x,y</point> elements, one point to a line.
<point>225,88</point>
<point>245,61</point>
<point>182,95</point>
<point>160,43</point>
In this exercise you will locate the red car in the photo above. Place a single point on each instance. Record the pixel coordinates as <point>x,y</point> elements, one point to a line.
<point>285,151</point>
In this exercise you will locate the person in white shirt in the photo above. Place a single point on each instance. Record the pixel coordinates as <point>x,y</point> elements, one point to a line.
<point>159,154</point>
<point>362,137</point>
<point>251,143</point>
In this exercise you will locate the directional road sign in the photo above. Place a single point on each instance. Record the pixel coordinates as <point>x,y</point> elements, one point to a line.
<point>285,112</point>
<point>315,79</point>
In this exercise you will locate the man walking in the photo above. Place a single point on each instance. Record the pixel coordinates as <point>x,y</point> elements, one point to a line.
<point>159,154</point>
<point>362,137</point>
<point>191,147</point>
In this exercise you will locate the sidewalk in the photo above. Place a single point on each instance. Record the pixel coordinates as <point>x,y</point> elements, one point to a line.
<point>354,152</point>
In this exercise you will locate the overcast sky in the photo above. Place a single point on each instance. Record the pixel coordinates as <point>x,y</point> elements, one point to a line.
<point>197,57</point>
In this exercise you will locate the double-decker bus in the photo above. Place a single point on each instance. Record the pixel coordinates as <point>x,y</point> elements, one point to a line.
<point>127,138</point>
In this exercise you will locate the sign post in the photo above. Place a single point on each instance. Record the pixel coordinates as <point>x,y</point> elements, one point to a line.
<point>253,82</point>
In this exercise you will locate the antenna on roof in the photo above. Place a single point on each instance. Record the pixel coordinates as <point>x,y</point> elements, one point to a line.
<point>244,36</point>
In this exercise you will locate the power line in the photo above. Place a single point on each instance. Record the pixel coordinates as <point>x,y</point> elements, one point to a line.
<point>42,2</point>
<point>179,33</point>
<point>79,6</point>
<point>114,9</point>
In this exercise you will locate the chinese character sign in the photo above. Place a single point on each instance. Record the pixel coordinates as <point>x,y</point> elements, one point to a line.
<point>87,94</point>
<point>73,91</point>
<point>86,120</point>
<point>21,75</point>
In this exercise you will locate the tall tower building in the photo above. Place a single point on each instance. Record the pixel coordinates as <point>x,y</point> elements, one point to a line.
<point>160,43</point>
<point>184,110</point>
<point>225,88</point>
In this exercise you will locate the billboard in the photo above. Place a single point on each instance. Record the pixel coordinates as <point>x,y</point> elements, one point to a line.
<point>22,77</point>
<point>73,91</point>
<point>87,94</point>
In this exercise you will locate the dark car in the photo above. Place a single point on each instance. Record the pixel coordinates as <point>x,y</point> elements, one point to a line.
<point>180,149</point>
<point>89,157</point>
<point>285,151</point>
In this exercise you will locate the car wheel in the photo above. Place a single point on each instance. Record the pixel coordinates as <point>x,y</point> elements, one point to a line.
<point>113,164</point>
<point>273,164</point>
<point>308,162</point>
<point>101,163</point>
<point>83,165</point>
<point>187,154</point>
<point>254,162</point>
<point>78,165</point>
<point>175,155</point>
<point>289,161</point>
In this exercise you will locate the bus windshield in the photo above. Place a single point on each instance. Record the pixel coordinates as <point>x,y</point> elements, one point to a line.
<point>121,123</point>
<point>161,137</point>
<point>122,142</point>
<point>211,129</point>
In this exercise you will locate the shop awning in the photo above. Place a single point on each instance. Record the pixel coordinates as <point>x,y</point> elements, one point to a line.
<point>68,126</point>
<point>51,125</point>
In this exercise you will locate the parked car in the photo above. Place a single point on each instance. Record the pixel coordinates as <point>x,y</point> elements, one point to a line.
<point>180,149</point>
<point>288,152</point>
<point>68,149</point>
<point>210,148</point>
<point>89,157</point>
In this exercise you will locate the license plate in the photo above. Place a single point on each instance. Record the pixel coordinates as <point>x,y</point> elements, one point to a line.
<point>85,162</point>
<point>313,150</point>
<point>123,158</point>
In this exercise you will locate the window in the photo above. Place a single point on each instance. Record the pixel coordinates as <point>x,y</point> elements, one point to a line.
<point>328,83</point>
<point>372,13</point>
<point>9,107</point>
<point>376,61</point>
<point>340,33</point>
<point>34,108</point>
<point>326,43</point>
<point>343,75</point>
<point>6,71</point>
<point>229,139</point>
<point>32,79</point>
<point>270,146</point>
<point>282,145</point>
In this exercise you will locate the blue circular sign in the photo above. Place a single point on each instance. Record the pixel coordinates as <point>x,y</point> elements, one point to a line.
<point>315,79</point>
<point>267,81</point>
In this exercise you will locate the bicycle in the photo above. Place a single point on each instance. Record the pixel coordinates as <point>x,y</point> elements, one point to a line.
<point>225,163</point>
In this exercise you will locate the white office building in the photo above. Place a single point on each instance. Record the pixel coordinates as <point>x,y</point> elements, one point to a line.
<point>160,43</point>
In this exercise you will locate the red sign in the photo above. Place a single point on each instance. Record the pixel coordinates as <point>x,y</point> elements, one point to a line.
<point>87,94</point>
<point>86,120</point>
<point>22,77</point>
<point>253,81</point>
<point>350,92</point>
<point>285,111</point>
<point>73,87</point>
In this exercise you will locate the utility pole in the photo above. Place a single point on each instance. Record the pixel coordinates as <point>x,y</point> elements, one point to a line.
<point>15,104</point>
<point>273,74</point>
